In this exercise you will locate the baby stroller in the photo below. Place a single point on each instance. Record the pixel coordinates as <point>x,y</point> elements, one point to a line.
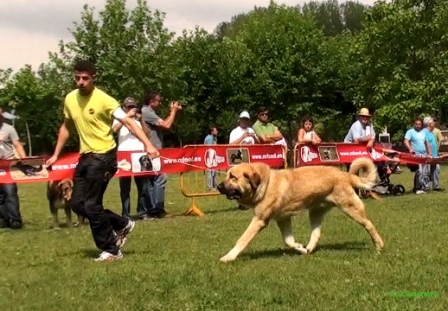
<point>385,186</point>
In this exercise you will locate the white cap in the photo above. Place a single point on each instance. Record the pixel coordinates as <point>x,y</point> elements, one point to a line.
<point>244,114</point>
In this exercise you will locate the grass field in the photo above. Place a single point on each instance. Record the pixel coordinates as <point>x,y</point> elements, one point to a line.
<point>173,264</point>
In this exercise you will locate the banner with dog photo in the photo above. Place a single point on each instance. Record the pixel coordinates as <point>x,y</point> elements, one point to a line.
<point>344,153</point>
<point>130,163</point>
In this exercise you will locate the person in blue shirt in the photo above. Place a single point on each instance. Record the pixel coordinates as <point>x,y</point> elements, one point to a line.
<point>416,141</point>
<point>212,176</point>
<point>429,124</point>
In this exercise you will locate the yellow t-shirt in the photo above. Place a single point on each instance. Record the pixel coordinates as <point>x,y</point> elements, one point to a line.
<point>92,116</point>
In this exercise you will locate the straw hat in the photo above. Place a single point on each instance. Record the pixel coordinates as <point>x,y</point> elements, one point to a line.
<point>364,112</point>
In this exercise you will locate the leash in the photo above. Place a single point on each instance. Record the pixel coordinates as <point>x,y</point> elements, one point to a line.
<point>192,165</point>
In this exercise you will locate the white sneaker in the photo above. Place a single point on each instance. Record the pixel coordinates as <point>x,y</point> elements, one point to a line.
<point>105,256</point>
<point>420,192</point>
<point>121,235</point>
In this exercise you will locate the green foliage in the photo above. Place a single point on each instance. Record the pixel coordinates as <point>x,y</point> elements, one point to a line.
<point>402,54</point>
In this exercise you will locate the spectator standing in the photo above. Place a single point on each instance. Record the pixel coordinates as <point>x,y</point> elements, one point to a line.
<point>9,199</point>
<point>429,125</point>
<point>212,175</point>
<point>416,141</point>
<point>127,141</point>
<point>157,183</point>
<point>437,133</point>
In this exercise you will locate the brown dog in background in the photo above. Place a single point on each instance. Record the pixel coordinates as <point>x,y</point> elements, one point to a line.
<point>59,195</point>
<point>279,194</point>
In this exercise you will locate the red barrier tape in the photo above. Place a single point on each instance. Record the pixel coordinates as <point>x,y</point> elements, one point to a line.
<point>172,161</point>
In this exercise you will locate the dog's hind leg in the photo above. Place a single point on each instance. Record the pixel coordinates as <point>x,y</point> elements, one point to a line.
<point>354,208</point>
<point>255,226</point>
<point>316,216</point>
<point>284,224</point>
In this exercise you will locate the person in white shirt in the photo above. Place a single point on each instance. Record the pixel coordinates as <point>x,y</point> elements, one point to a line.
<point>128,142</point>
<point>243,134</point>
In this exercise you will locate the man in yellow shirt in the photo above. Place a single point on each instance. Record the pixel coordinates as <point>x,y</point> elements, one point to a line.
<point>92,112</point>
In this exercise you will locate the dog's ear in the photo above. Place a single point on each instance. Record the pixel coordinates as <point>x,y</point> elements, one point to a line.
<point>254,178</point>
<point>70,182</point>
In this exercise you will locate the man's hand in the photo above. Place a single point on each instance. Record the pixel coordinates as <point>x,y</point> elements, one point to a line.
<point>131,113</point>
<point>51,161</point>
<point>370,144</point>
<point>152,152</point>
<point>176,105</point>
<point>138,116</point>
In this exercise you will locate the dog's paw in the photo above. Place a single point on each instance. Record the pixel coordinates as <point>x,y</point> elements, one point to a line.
<point>302,250</point>
<point>226,259</point>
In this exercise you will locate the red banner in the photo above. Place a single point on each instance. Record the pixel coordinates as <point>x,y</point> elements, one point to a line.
<point>130,163</point>
<point>343,153</point>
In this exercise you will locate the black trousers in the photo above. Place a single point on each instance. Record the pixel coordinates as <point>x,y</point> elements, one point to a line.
<point>92,175</point>
<point>9,207</point>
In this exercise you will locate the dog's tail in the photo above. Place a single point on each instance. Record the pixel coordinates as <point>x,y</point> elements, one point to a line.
<point>366,182</point>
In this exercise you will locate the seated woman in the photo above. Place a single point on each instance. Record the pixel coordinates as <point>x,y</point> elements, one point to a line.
<point>306,134</point>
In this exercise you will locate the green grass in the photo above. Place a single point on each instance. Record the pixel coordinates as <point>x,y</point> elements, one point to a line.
<point>173,264</point>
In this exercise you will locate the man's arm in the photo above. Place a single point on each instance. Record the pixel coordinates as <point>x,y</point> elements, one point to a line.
<point>145,127</point>
<point>113,109</point>
<point>407,140</point>
<point>153,119</point>
<point>138,132</point>
<point>428,144</point>
<point>116,126</point>
<point>63,137</point>
<point>276,136</point>
<point>17,145</point>
<point>439,139</point>
<point>358,136</point>
<point>428,148</point>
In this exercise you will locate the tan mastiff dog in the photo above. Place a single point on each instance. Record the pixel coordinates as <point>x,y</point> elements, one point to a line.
<point>279,194</point>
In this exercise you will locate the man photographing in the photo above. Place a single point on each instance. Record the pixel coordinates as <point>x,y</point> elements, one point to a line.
<point>156,183</point>
<point>92,112</point>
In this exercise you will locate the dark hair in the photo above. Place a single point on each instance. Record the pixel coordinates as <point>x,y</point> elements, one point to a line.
<point>307,118</point>
<point>84,65</point>
<point>262,109</point>
<point>151,95</point>
<point>418,119</point>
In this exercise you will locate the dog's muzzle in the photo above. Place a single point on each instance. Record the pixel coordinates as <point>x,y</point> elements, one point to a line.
<point>230,193</point>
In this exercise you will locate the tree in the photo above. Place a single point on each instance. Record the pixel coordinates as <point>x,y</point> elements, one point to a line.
<point>402,55</point>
